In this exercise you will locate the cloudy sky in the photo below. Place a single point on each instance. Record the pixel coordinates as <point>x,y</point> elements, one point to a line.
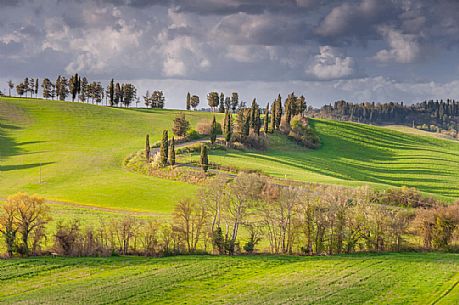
<point>363,50</point>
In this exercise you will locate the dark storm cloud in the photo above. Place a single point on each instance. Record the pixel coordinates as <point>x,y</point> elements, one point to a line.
<point>233,40</point>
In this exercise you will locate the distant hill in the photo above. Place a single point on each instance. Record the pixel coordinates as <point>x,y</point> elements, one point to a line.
<point>80,149</point>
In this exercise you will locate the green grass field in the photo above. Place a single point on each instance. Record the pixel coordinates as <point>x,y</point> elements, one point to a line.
<point>82,147</point>
<point>356,154</point>
<point>355,279</point>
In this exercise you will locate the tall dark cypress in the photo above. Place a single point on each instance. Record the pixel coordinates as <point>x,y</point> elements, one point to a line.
<point>213,131</point>
<point>163,152</point>
<point>204,158</point>
<point>172,152</point>
<point>266,120</point>
<point>147,148</point>
<point>273,117</point>
<point>188,101</point>
<point>111,92</point>
<point>228,127</point>
<point>257,121</point>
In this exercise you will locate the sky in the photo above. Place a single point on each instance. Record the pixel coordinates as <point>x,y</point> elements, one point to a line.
<point>362,50</point>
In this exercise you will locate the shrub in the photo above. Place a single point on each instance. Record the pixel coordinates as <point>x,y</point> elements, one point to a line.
<point>205,128</point>
<point>181,125</point>
<point>193,135</point>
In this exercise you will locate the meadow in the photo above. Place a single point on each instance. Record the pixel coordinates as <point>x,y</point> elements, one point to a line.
<point>355,279</point>
<point>79,150</point>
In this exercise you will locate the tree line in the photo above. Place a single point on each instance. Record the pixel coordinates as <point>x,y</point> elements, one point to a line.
<point>81,89</point>
<point>249,213</point>
<point>443,113</point>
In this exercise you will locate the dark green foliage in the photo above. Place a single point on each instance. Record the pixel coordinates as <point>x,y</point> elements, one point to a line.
<point>74,86</point>
<point>228,127</point>
<point>194,101</point>
<point>172,152</point>
<point>213,131</point>
<point>278,112</point>
<point>444,114</point>
<point>218,240</point>
<point>266,120</point>
<point>234,101</point>
<point>147,148</point>
<point>188,101</point>
<point>273,117</point>
<point>221,108</point>
<point>256,121</point>
<point>213,100</point>
<point>204,158</point>
<point>253,113</point>
<point>301,101</point>
<point>163,151</point>
<point>181,125</point>
<point>155,100</point>
<point>111,93</point>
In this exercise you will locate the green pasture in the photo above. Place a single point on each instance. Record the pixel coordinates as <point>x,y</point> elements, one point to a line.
<point>355,279</point>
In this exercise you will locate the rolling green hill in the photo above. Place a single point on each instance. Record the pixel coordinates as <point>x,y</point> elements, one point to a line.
<point>354,279</point>
<point>81,148</point>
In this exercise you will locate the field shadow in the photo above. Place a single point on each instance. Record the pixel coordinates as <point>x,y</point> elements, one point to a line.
<point>6,168</point>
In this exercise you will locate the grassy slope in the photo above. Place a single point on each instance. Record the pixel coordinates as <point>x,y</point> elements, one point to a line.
<point>82,148</point>
<point>359,279</point>
<point>356,154</point>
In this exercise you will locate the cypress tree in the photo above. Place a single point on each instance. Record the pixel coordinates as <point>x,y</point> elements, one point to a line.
<point>257,121</point>
<point>111,93</point>
<point>288,110</point>
<point>266,120</point>
<point>163,152</point>
<point>246,120</point>
<point>147,148</point>
<point>213,131</point>
<point>204,158</point>
<point>227,127</point>
<point>253,114</point>
<point>172,152</point>
<point>188,101</point>
<point>278,105</point>
<point>273,117</point>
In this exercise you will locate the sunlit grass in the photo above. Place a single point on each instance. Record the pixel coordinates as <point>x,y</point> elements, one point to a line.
<point>355,279</point>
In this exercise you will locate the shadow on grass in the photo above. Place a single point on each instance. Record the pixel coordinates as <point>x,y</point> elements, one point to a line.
<point>6,168</point>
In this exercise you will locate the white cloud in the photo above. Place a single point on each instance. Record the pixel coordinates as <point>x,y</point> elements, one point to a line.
<point>404,48</point>
<point>330,64</point>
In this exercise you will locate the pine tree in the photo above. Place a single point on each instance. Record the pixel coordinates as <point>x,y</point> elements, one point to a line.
<point>228,127</point>
<point>147,148</point>
<point>213,131</point>
<point>188,101</point>
<point>204,158</point>
<point>221,108</point>
<point>266,120</point>
<point>172,152</point>
<point>163,151</point>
